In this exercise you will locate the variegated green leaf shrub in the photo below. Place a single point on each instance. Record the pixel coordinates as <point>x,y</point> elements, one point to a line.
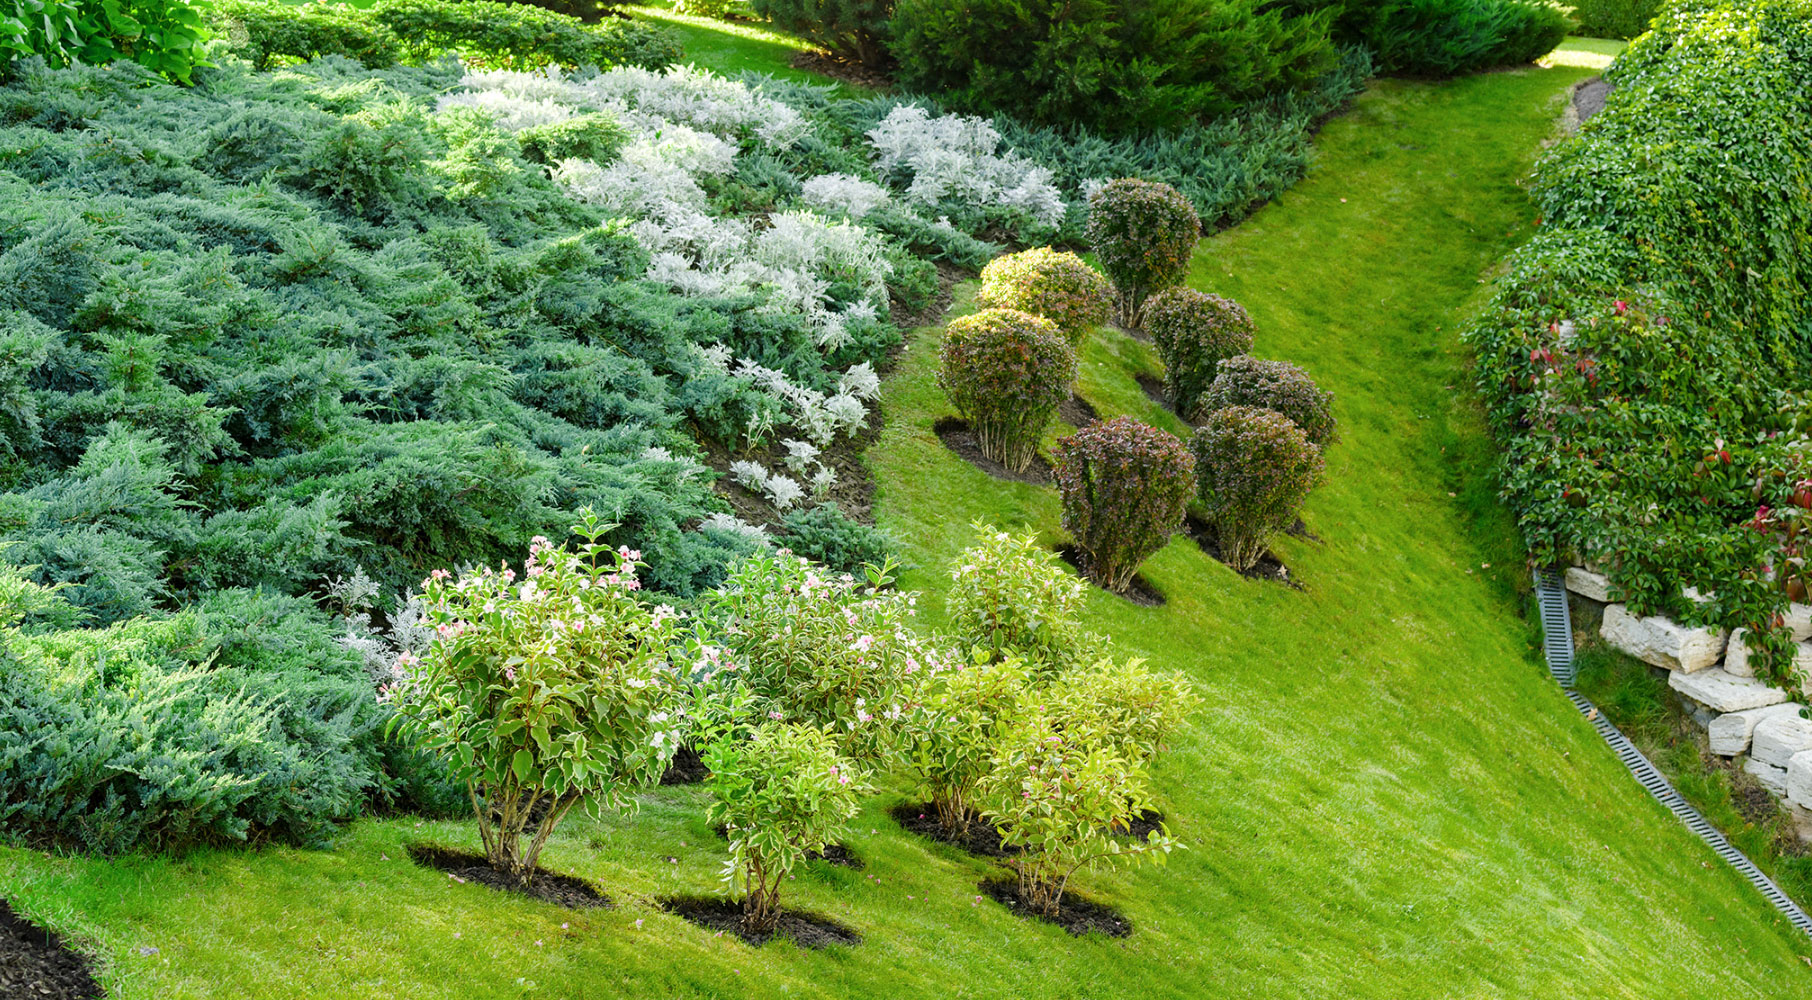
<point>1125,704</point>
<point>822,649</point>
<point>544,689</point>
<point>1194,332</point>
<point>779,794</point>
<point>1058,795</point>
<point>1255,468</point>
<point>1271,385</point>
<point>1057,285</point>
<point>1010,597</point>
<point>1143,234</point>
<point>1006,372</point>
<point>1125,486</point>
<point>955,735</point>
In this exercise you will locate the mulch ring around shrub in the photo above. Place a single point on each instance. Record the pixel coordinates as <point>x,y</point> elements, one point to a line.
<point>957,437</point>
<point>833,854</point>
<point>34,963</point>
<point>1075,914</point>
<point>1144,825</point>
<point>983,840</point>
<point>1140,591</point>
<point>1268,567</point>
<point>807,930</point>
<point>686,768</point>
<point>1154,391</point>
<point>548,887</point>
<point>1077,412</point>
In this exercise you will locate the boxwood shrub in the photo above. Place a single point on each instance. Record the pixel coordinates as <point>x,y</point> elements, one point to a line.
<point>1006,372</point>
<point>1124,486</point>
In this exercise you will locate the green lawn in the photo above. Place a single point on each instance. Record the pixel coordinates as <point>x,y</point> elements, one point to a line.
<point>1386,797</point>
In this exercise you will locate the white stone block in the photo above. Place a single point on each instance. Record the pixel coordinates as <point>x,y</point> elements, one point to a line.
<point>1736,654</point>
<point>1776,740</point>
<point>1720,692</point>
<point>1662,642</point>
<point>1730,733</point>
<point>1799,621</point>
<point>1692,594</point>
<point>1586,583</point>
<point>1772,778</point>
<point>1799,778</point>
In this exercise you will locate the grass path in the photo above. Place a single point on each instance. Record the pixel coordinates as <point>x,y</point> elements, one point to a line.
<point>1385,799</point>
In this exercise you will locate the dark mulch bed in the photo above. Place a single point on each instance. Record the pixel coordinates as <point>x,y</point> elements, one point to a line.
<point>1075,914</point>
<point>1154,391</point>
<point>549,887</point>
<point>1588,97</point>
<point>983,840</point>
<point>1269,567</point>
<point>1146,824</point>
<point>833,854</point>
<point>686,768</point>
<point>1140,591</point>
<point>842,71</point>
<point>957,437</point>
<point>807,930</point>
<point>1077,412</point>
<point>34,963</point>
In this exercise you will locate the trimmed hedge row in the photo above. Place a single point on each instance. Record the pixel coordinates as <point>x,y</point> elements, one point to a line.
<point>1645,361</point>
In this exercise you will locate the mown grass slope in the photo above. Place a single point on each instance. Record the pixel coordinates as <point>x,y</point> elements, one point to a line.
<point>1385,797</point>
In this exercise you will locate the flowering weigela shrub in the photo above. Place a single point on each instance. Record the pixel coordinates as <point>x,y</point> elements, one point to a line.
<point>1011,598</point>
<point>779,794</point>
<point>1126,705</point>
<point>954,736</point>
<point>823,650</point>
<point>1125,486</point>
<point>1254,467</point>
<point>1006,372</point>
<point>543,690</point>
<point>1271,385</point>
<point>1059,286</point>
<point>1143,233</point>
<point>1059,796</point>
<point>1194,332</point>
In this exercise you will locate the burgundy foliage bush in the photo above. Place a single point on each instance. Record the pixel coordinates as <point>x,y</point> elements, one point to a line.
<point>1006,371</point>
<point>1194,332</point>
<point>1254,468</point>
<point>1124,487</point>
<point>1271,385</point>
<point>1142,232</point>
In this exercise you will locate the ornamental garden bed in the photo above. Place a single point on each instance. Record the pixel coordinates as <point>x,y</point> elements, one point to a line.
<point>1268,567</point>
<point>1140,591</point>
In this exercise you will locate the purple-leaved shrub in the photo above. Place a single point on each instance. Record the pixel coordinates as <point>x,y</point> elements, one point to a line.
<point>1254,469</point>
<point>1124,487</point>
<point>1194,332</point>
<point>1271,385</point>
<point>1142,232</point>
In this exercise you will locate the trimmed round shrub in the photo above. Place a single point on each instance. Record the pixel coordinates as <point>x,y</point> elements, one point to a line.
<point>1006,371</point>
<point>1050,283</point>
<point>1143,233</point>
<point>1254,468</point>
<point>1194,332</point>
<point>1124,487</point>
<point>1271,385</point>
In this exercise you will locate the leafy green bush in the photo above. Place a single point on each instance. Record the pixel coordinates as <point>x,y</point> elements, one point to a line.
<point>1614,18</point>
<point>1143,234</point>
<point>596,136</point>
<point>780,794</point>
<point>1643,362</point>
<point>1113,67</point>
<point>1056,285</point>
<point>821,650</point>
<point>1058,796</point>
<point>263,31</point>
<point>1271,385</point>
<point>1006,372</point>
<point>544,693</point>
<point>853,30</point>
<point>1446,37</point>
<point>1255,468</point>
<point>824,534</point>
<point>1194,333</point>
<point>954,736</point>
<point>164,36</point>
<point>1124,487</point>
<point>1010,598</point>
<point>1124,704</point>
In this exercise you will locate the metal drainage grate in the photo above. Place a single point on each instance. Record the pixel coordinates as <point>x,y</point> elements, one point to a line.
<point>1557,629</point>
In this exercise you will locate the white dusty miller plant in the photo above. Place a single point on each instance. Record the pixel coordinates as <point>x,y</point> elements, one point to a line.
<point>958,159</point>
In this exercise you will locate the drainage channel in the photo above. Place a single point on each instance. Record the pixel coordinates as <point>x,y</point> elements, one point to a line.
<point>1557,630</point>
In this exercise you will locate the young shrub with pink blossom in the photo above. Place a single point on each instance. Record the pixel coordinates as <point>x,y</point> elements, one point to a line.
<point>1194,332</point>
<point>1255,468</point>
<point>1143,233</point>
<point>543,690</point>
<point>954,736</point>
<point>781,793</point>
<point>1271,385</point>
<point>1006,372</point>
<point>1059,286</point>
<point>1124,487</point>
<point>822,649</point>
<point>1009,597</point>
